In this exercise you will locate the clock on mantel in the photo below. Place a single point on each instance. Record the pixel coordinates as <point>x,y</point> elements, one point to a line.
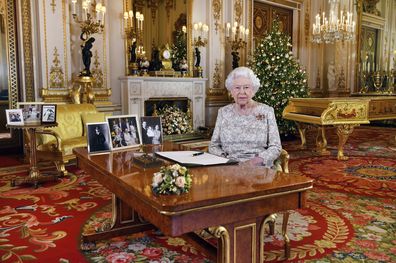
<point>166,54</point>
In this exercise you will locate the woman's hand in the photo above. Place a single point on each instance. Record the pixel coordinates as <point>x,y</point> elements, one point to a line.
<point>256,161</point>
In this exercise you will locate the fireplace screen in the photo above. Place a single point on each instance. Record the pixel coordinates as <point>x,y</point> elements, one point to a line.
<point>176,114</point>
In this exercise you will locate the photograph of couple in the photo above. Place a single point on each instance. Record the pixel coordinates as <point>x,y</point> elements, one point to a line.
<point>124,131</point>
<point>151,130</point>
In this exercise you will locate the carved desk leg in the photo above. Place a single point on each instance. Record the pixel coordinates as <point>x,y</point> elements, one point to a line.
<point>321,141</point>
<point>302,127</point>
<point>125,220</point>
<point>343,132</point>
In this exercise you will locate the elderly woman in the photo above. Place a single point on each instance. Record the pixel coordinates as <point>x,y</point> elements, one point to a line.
<point>246,130</point>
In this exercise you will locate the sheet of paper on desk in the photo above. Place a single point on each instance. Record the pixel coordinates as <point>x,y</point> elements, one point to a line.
<point>186,158</point>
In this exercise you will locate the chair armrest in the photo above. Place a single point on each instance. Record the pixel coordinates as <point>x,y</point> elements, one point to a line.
<point>284,158</point>
<point>54,134</point>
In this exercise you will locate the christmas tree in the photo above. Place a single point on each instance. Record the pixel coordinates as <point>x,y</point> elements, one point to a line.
<point>179,49</point>
<point>280,75</point>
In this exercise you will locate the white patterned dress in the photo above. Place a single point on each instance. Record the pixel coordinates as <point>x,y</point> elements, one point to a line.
<point>242,137</point>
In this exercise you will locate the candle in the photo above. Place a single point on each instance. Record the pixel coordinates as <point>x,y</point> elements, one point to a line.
<point>74,6</point>
<point>228,29</point>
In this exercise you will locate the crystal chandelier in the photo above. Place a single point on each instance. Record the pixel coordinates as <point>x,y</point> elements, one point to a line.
<point>335,28</point>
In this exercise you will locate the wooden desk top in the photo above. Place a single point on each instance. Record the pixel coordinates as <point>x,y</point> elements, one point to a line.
<point>212,187</point>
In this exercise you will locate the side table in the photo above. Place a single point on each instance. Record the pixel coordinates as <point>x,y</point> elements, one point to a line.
<point>35,176</point>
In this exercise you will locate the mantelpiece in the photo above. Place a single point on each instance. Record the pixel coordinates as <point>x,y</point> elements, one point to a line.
<point>135,90</point>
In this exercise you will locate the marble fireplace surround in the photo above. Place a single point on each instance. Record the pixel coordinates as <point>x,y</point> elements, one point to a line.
<point>136,90</point>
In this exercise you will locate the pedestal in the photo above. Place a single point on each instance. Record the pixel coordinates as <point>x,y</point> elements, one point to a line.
<point>82,91</point>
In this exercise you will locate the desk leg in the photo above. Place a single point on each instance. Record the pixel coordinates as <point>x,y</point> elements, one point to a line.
<point>343,132</point>
<point>35,177</point>
<point>239,242</point>
<point>125,220</point>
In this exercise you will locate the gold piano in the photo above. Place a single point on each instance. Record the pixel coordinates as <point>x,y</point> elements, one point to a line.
<point>343,113</point>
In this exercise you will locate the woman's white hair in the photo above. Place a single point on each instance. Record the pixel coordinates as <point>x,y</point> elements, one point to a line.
<point>242,72</point>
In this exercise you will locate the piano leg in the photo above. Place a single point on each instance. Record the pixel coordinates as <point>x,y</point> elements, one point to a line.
<point>321,141</point>
<point>302,127</point>
<point>343,132</point>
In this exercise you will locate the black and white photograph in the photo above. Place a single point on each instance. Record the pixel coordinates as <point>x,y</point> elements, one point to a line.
<point>124,131</point>
<point>14,117</point>
<point>151,130</point>
<point>98,137</point>
<point>31,111</point>
<point>48,113</point>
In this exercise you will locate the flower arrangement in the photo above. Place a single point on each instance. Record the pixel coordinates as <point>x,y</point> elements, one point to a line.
<point>172,179</point>
<point>174,120</point>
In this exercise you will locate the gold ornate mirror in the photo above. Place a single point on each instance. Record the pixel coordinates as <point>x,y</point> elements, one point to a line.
<point>153,25</point>
<point>8,71</point>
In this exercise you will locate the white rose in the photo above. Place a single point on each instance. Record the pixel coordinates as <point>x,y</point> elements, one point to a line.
<point>180,181</point>
<point>157,179</point>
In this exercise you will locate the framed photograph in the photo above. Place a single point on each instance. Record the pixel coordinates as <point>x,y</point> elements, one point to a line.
<point>151,130</point>
<point>31,111</point>
<point>48,113</point>
<point>98,135</point>
<point>14,117</point>
<point>124,131</point>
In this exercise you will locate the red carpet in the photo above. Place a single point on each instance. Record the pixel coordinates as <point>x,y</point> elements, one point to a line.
<point>350,216</point>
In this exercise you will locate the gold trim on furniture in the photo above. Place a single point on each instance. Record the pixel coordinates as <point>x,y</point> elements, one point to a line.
<point>222,233</point>
<point>253,237</point>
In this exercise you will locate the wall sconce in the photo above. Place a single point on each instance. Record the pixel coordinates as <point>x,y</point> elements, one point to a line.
<point>200,39</point>
<point>236,37</point>
<point>133,26</point>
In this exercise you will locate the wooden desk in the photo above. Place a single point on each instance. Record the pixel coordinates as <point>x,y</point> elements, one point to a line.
<point>231,201</point>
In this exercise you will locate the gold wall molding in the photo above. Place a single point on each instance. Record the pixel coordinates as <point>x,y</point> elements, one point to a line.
<point>9,5</point>
<point>217,88</point>
<point>238,7</point>
<point>56,73</point>
<point>217,8</point>
<point>53,5</point>
<point>97,73</point>
<point>307,22</point>
<point>27,50</point>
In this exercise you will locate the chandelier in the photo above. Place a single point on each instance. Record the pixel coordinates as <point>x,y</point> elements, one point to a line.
<point>339,25</point>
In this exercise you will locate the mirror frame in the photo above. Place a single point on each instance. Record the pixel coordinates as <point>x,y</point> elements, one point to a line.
<point>12,61</point>
<point>190,56</point>
<point>359,12</point>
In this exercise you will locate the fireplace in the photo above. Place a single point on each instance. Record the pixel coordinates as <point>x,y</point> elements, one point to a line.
<point>176,114</point>
<point>136,92</point>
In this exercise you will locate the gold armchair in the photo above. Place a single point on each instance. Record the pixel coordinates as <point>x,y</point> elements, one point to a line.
<point>56,144</point>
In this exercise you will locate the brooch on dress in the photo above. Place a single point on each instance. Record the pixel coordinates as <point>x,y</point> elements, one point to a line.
<point>260,117</point>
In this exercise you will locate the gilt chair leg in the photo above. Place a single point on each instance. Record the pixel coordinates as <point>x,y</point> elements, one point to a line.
<point>60,166</point>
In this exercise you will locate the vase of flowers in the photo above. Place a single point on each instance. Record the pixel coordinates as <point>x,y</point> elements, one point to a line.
<point>172,179</point>
<point>175,121</point>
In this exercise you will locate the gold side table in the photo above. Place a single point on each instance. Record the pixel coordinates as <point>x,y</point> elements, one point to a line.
<point>35,176</point>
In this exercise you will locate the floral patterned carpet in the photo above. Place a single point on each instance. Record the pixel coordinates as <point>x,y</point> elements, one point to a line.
<point>350,214</point>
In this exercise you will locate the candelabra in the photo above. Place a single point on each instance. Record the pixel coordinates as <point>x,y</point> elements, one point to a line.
<point>133,26</point>
<point>334,28</point>
<point>91,21</point>
<point>92,17</point>
<point>236,37</point>
<point>200,39</point>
